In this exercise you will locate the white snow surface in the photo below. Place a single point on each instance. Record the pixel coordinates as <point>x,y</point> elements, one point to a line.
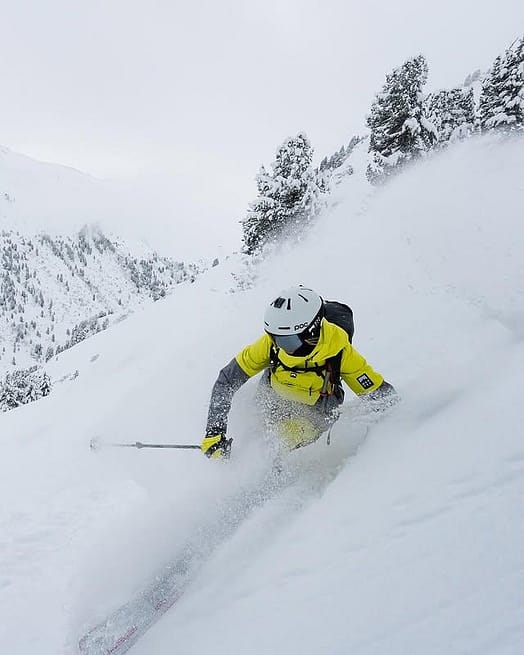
<point>408,541</point>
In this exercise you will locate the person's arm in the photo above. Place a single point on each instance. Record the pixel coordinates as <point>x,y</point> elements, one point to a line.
<point>251,360</point>
<point>229,381</point>
<point>383,397</point>
<point>364,381</point>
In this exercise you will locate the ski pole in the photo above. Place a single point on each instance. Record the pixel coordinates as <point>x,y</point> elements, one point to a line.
<point>139,444</point>
<point>95,445</point>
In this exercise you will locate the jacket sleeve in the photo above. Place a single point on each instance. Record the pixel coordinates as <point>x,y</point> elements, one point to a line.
<point>251,360</point>
<point>255,357</point>
<point>229,380</point>
<point>363,380</point>
<point>357,373</point>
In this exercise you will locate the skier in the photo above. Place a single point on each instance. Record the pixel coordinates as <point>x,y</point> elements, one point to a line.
<point>304,353</point>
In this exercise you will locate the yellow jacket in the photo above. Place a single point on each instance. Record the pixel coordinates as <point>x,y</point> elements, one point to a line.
<point>304,386</point>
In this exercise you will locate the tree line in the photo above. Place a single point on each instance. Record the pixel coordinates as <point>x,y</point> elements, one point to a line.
<point>405,124</point>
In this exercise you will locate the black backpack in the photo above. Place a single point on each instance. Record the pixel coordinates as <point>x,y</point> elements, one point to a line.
<point>341,315</point>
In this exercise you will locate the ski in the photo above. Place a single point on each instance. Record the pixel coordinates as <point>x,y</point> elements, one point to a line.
<point>119,631</point>
<point>122,628</point>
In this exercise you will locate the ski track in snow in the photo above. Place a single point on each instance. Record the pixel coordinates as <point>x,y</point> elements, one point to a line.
<point>265,505</point>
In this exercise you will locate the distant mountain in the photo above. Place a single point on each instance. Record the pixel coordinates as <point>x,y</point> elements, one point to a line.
<point>62,277</point>
<point>37,196</point>
<point>56,290</point>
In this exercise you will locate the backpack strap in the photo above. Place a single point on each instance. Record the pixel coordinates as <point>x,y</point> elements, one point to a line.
<point>275,362</point>
<point>336,363</point>
<point>332,374</point>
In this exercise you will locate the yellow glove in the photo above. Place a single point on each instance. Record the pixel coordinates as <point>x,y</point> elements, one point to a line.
<point>216,446</point>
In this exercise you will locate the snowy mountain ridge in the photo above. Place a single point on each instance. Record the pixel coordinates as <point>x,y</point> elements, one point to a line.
<point>63,276</point>
<point>37,195</point>
<point>56,290</point>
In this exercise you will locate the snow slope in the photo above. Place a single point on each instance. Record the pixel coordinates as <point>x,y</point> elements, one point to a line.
<point>412,545</point>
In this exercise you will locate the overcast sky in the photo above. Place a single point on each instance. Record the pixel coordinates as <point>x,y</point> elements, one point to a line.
<point>196,95</point>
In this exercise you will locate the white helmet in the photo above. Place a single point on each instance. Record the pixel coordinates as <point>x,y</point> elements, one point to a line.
<point>294,316</point>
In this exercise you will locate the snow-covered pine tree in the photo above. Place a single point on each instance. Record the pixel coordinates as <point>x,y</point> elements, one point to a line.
<point>44,388</point>
<point>287,196</point>
<point>8,395</point>
<point>501,104</point>
<point>467,113</point>
<point>323,178</point>
<point>324,172</point>
<point>22,387</point>
<point>261,214</point>
<point>399,130</point>
<point>452,112</point>
<point>334,168</point>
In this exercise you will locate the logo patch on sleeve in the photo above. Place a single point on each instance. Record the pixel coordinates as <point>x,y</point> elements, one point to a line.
<point>365,381</point>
